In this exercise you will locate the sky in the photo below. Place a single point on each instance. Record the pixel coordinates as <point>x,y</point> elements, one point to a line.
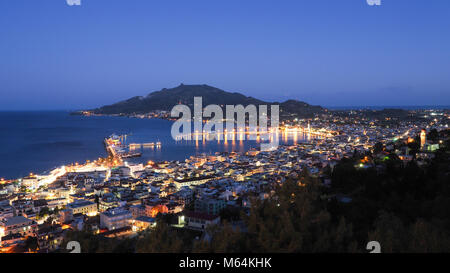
<point>325,52</point>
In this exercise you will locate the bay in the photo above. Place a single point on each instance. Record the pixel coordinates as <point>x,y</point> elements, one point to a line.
<point>38,141</point>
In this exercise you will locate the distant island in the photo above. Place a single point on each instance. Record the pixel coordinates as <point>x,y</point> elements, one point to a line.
<point>159,103</point>
<point>166,99</point>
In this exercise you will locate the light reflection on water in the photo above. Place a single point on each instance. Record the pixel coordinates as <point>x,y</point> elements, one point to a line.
<point>40,141</point>
<point>198,146</point>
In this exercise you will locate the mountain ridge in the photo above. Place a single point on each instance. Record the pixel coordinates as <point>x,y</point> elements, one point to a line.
<point>166,98</point>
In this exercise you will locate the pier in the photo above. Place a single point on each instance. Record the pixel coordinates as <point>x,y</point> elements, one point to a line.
<point>134,146</point>
<point>115,148</point>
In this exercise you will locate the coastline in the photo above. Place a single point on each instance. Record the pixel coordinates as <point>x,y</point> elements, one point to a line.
<point>78,113</point>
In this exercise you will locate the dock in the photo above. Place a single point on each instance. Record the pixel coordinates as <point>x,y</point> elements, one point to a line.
<point>134,146</point>
<point>116,148</point>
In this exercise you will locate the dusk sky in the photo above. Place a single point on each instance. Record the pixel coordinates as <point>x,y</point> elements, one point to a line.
<point>327,52</point>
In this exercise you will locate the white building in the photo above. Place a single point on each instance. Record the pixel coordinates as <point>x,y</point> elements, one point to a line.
<point>19,225</point>
<point>30,181</point>
<point>198,221</point>
<point>115,218</point>
<point>84,207</point>
<point>6,211</point>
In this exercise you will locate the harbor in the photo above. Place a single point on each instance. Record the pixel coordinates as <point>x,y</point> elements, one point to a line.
<point>117,148</point>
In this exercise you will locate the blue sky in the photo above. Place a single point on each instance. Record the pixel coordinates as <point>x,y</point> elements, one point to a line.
<point>327,52</point>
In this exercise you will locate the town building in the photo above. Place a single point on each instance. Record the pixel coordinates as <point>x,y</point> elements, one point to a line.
<point>142,223</point>
<point>115,218</point>
<point>210,206</point>
<point>84,207</point>
<point>198,220</point>
<point>19,225</point>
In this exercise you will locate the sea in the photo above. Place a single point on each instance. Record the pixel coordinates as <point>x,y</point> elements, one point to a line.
<point>39,141</point>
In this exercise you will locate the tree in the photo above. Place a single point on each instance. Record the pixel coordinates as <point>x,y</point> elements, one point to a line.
<point>45,211</point>
<point>425,237</point>
<point>433,135</point>
<point>161,239</point>
<point>31,243</point>
<point>389,232</point>
<point>377,148</point>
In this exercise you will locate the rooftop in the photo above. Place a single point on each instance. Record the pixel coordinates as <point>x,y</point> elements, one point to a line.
<point>114,212</point>
<point>78,204</point>
<point>146,219</point>
<point>199,215</point>
<point>17,220</point>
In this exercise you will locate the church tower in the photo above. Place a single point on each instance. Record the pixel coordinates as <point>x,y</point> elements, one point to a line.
<point>423,138</point>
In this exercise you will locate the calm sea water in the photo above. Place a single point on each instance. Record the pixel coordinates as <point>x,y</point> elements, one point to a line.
<point>40,141</point>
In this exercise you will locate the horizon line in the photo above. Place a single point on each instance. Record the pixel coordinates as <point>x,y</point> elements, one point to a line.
<point>332,107</point>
